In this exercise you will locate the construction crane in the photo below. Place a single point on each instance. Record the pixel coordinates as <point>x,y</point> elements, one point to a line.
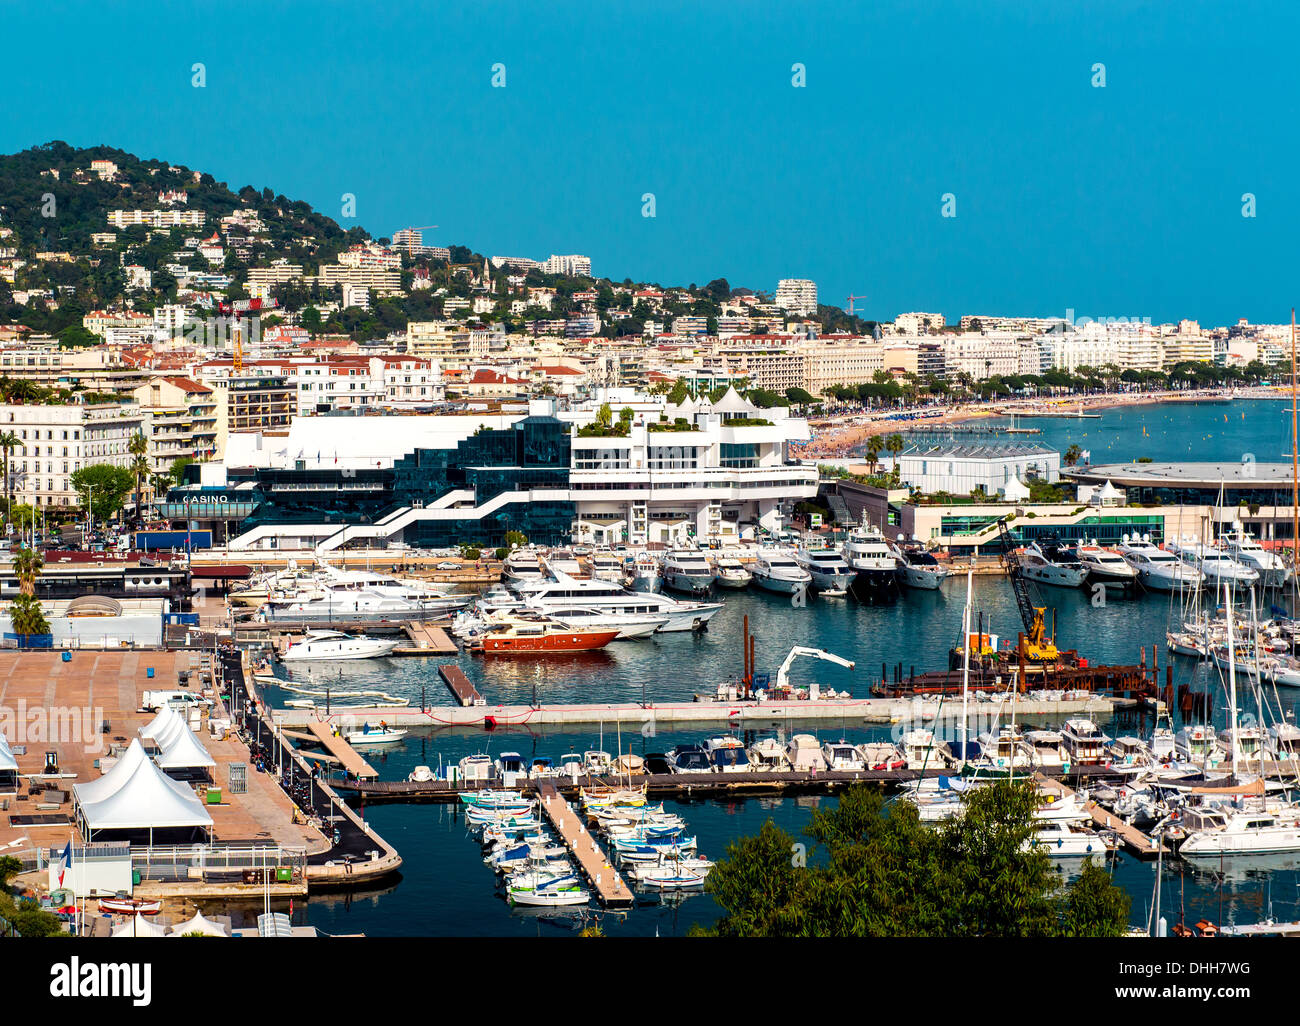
<point>1037,647</point>
<point>783,674</point>
<point>248,308</point>
<point>410,236</point>
<point>851,299</point>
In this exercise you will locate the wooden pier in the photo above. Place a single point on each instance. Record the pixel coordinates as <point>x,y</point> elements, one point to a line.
<point>603,877</point>
<point>426,640</point>
<point>338,747</point>
<point>1134,839</point>
<point>459,684</point>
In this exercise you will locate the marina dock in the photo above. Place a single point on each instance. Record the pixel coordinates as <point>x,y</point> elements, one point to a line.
<point>609,886</point>
<point>1134,839</point>
<point>459,685</point>
<point>426,640</point>
<point>341,751</point>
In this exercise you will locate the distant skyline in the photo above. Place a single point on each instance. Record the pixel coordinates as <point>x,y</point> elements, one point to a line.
<point>1122,201</point>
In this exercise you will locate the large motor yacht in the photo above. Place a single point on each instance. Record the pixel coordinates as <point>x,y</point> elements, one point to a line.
<point>687,570</point>
<point>776,570</point>
<point>566,592</point>
<point>1159,569</point>
<point>830,574</point>
<point>869,556</point>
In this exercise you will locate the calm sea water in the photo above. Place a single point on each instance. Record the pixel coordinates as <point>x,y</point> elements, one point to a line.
<point>445,890</point>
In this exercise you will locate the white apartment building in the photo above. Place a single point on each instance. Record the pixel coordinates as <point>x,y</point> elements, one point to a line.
<point>574,266</point>
<point>56,440</point>
<point>383,282</point>
<point>371,256</point>
<point>918,323</point>
<point>280,271</point>
<point>157,218</point>
<point>797,296</point>
<point>984,355</point>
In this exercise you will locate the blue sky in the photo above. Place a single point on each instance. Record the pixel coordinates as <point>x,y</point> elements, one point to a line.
<point>1115,201</point>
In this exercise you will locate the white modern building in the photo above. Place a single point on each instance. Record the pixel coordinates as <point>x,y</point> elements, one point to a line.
<point>960,469</point>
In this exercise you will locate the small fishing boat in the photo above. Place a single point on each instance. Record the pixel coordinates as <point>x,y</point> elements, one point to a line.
<point>368,735</point>
<point>124,906</point>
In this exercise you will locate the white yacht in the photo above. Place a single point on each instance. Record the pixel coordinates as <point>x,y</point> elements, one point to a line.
<point>769,756</point>
<point>1159,569</point>
<point>345,603</point>
<point>1214,832</point>
<point>1062,839</point>
<point>605,566</point>
<point>337,645</point>
<point>776,570</point>
<point>1047,749</point>
<point>629,625</point>
<point>1106,567</point>
<point>1198,745</point>
<point>727,754</point>
<point>1084,742</point>
<point>732,573</point>
<point>917,567</point>
<point>645,573</point>
<point>1004,751</point>
<point>922,750</point>
<point>869,556</point>
<point>840,755</point>
<point>1051,567</point>
<point>570,592</point>
<point>830,574</point>
<point>1215,563</point>
<point>1273,571</point>
<point>687,570</point>
<point>564,561</point>
<point>522,565</point>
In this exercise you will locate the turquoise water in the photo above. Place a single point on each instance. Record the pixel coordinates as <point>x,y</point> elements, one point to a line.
<point>446,890</point>
<point>1173,431</point>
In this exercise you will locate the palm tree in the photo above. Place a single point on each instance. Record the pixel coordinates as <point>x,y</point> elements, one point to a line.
<point>874,445</point>
<point>27,567</point>
<point>894,445</point>
<point>139,467</point>
<point>1072,455</point>
<point>8,443</point>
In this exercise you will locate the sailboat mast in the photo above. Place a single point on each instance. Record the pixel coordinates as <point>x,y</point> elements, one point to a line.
<point>965,661</point>
<point>1232,677</point>
<point>1295,460</point>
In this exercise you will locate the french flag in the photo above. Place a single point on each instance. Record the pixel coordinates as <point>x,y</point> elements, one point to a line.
<point>65,861</point>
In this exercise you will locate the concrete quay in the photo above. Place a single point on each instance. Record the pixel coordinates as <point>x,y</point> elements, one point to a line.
<point>702,713</point>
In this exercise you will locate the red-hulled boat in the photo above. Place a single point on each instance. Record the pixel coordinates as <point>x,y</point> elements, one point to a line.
<point>540,637</point>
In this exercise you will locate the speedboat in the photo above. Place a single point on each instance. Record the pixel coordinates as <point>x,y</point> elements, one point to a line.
<point>869,556</point>
<point>830,574</point>
<point>1106,567</point>
<point>322,644</point>
<point>776,570</point>
<point>881,755</point>
<point>1051,565</point>
<point>687,570</point>
<point>732,573</point>
<point>840,755</point>
<point>1273,572</point>
<point>917,567</point>
<point>727,754</point>
<point>380,735</point>
<point>689,759</point>
<point>1159,569</point>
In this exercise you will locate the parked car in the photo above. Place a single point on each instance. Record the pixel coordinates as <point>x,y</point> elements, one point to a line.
<point>448,566</point>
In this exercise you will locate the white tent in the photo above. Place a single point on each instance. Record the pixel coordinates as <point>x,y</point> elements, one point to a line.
<point>732,404</point>
<point>201,925</point>
<point>170,731</point>
<point>1107,494</point>
<point>97,790</point>
<point>145,799</point>
<point>185,752</point>
<point>7,760</point>
<point>138,926</point>
<point>161,722</point>
<point>1014,491</point>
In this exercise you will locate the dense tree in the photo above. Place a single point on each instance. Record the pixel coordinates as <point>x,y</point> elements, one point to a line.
<point>874,870</point>
<point>107,485</point>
